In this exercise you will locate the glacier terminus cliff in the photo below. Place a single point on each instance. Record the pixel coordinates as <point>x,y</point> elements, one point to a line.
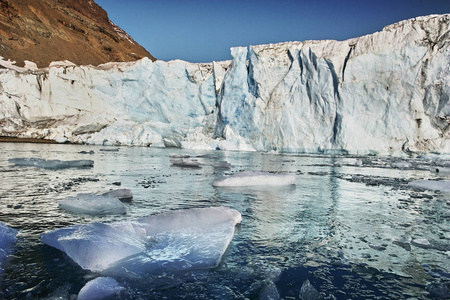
<point>386,93</point>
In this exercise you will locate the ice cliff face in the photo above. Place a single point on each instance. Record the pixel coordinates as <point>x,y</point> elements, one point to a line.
<point>384,92</point>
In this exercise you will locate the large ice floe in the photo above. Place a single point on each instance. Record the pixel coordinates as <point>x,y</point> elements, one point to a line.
<point>54,164</point>
<point>93,204</point>
<point>176,240</point>
<point>253,178</point>
<point>7,239</point>
<point>386,92</point>
<point>100,288</point>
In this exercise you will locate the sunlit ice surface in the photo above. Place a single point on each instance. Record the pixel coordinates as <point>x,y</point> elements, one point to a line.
<point>353,227</point>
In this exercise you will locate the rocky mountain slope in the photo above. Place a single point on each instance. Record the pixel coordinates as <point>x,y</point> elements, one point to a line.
<point>56,30</point>
<point>387,92</point>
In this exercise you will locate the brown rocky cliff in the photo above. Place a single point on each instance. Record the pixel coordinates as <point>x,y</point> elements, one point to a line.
<point>80,31</point>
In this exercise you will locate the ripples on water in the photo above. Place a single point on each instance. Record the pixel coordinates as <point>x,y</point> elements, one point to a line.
<point>335,228</point>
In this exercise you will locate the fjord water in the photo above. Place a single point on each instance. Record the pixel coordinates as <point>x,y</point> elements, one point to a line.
<point>351,226</point>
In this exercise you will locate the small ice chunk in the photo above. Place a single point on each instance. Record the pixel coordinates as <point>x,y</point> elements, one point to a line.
<point>421,243</point>
<point>177,240</point>
<point>175,155</point>
<point>124,195</point>
<point>434,185</point>
<point>251,178</point>
<point>92,204</point>
<point>401,165</point>
<point>185,163</point>
<point>109,149</point>
<point>100,288</point>
<point>222,165</point>
<point>7,238</point>
<point>53,164</point>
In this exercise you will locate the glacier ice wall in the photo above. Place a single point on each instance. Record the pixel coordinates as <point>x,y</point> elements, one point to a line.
<point>386,92</point>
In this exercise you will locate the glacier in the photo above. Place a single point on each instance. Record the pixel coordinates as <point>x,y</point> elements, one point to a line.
<point>386,92</point>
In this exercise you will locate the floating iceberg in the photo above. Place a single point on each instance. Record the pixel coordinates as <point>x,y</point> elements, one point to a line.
<point>7,238</point>
<point>185,163</point>
<point>54,164</point>
<point>250,178</point>
<point>177,240</point>
<point>434,185</point>
<point>100,288</point>
<point>92,204</point>
<point>124,195</point>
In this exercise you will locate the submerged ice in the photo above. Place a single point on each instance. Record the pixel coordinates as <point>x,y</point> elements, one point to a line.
<point>93,204</point>
<point>7,239</point>
<point>252,178</point>
<point>54,164</point>
<point>176,240</point>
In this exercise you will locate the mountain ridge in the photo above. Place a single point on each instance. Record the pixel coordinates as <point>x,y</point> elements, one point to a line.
<point>55,30</point>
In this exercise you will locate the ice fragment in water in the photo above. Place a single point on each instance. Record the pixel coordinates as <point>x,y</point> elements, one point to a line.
<point>177,240</point>
<point>222,165</point>
<point>92,204</point>
<point>250,178</point>
<point>54,164</point>
<point>100,288</point>
<point>7,238</point>
<point>186,163</point>
<point>175,155</point>
<point>122,194</point>
<point>434,185</point>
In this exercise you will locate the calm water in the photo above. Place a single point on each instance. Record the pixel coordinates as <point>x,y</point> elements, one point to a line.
<point>342,227</point>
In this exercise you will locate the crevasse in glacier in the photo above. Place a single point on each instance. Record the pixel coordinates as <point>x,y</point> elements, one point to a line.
<point>385,92</point>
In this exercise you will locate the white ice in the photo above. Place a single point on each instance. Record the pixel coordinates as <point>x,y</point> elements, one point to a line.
<point>100,288</point>
<point>251,178</point>
<point>51,163</point>
<point>7,239</point>
<point>434,185</point>
<point>175,240</point>
<point>92,204</point>
<point>124,195</point>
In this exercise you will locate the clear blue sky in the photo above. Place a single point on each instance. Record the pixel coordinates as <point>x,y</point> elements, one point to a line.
<point>204,30</point>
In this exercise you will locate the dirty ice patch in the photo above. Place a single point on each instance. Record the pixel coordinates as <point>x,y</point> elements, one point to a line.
<point>253,178</point>
<point>54,164</point>
<point>434,185</point>
<point>92,204</point>
<point>177,240</point>
<point>7,239</point>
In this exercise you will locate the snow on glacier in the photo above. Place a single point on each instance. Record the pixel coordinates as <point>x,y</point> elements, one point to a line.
<point>100,288</point>
<point>7,239</point>
<point>53,164</point>
<point>253,178</point>
<point>93,204</point>
<point>176,240</point>
<point>386,92</point>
